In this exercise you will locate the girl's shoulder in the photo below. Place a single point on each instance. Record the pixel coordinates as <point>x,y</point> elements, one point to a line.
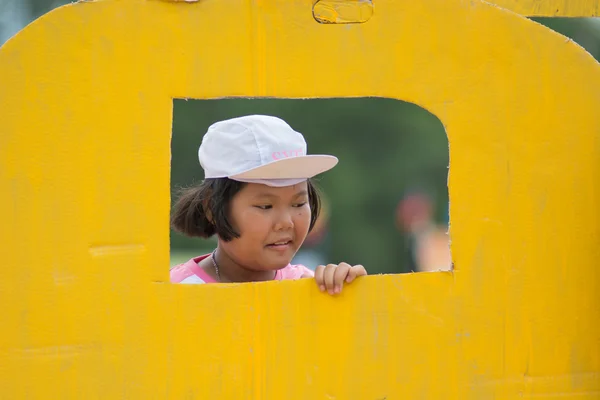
<point>190,272</point>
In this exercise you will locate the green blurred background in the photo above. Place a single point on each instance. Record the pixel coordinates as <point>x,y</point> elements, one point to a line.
<point>388,149</point>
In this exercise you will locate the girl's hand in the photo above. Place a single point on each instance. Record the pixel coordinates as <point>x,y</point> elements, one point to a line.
<point>332,277</point>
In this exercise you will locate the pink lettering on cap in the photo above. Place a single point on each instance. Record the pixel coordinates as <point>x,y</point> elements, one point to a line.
<point>278,155</point>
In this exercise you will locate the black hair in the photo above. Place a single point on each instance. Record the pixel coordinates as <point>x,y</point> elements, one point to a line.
<point>203,210</point>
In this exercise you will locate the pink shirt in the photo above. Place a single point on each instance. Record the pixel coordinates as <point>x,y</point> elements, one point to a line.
<point>190,272</point>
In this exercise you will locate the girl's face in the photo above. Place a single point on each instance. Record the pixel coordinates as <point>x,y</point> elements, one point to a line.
<point>272,222</point>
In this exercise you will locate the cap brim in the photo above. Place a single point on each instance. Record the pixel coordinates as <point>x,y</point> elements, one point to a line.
<point>302,167</point>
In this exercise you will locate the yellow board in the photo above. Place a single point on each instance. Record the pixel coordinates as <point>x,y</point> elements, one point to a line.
<point>357,11</point>
<point>85,122</point>
<point>552,8</point>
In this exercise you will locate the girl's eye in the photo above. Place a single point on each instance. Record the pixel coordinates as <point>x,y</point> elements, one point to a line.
<point>265,207</point>
<point>300,205</point>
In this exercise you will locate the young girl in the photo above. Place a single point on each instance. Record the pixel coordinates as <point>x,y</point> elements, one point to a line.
<point>258,198</point>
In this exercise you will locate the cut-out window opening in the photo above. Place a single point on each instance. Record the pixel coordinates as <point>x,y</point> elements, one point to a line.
<point>385,205</point>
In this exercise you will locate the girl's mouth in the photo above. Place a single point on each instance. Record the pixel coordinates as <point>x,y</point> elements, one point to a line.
<point>280,245</point>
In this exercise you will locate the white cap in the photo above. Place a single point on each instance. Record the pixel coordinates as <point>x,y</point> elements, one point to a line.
<point>259,149</point>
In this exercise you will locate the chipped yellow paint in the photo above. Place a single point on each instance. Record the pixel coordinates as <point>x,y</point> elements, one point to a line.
<point>552,8</point>
<point>86,110</point>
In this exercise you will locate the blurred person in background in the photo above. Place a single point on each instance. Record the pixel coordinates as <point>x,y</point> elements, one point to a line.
<point>428,241</point>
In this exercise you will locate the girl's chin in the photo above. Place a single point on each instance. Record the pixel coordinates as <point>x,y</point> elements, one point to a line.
<point>277,261</point>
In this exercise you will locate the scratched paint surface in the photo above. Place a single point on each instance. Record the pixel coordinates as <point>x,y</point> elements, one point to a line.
<point>85,124</point>
<point>342,11</point>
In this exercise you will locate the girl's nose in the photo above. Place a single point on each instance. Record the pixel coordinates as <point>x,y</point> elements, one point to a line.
<point>284,221</point>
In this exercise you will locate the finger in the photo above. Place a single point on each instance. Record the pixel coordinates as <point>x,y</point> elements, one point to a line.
<point>339,276</point>
<point>306,275</point>
<point>328,277</point>
<point>355,271</point>
<point>319,277</point>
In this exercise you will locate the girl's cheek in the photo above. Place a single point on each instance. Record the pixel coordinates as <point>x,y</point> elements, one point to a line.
<point>304,212</point>
<point>258,224</point>
<point>302,222</point>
